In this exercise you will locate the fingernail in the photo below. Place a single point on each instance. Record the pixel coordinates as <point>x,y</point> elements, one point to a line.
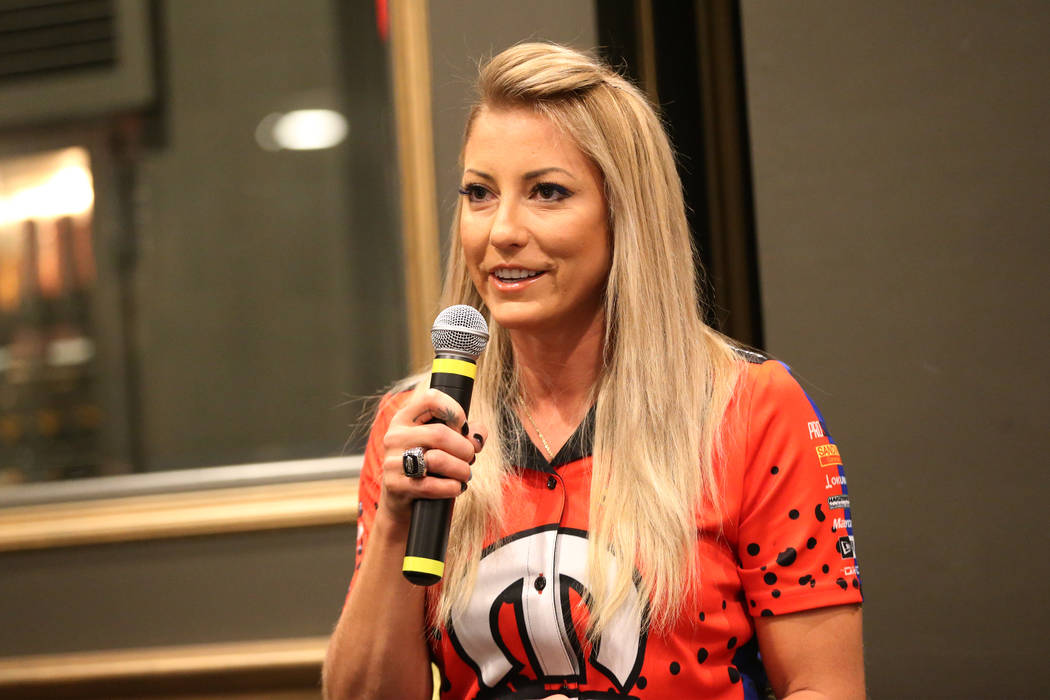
<point>473,459</point>
<point>480,440</point>
<point>465,429</point>
<point>463,487</point>
<point>471,474</point>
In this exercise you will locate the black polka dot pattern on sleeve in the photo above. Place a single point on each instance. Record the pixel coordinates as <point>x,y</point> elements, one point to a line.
<point>786,548</point>
<point>787,557</point>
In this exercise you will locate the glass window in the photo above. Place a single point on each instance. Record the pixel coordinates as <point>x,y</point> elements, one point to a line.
<point>226,278</point>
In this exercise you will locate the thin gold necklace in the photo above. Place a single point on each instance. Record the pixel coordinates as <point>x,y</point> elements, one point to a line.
<point>539,433</point>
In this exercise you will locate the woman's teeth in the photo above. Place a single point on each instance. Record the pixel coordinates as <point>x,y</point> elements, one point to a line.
<point>508,275</point>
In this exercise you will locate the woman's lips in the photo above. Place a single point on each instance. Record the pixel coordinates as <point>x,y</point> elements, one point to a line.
<point>510,285</point>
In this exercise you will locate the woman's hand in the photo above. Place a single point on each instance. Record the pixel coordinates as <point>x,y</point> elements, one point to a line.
<point>384,615</point>
<point>449,449</point>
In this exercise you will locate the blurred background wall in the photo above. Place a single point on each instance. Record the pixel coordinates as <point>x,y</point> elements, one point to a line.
<point>900,173</point>
<point>886,163</point>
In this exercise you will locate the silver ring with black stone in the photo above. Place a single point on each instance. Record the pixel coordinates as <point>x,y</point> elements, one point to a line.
<point>413,463</point>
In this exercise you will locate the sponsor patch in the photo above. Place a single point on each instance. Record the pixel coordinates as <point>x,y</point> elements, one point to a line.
<point>838,502</point>
<point>851,571</point>
<point>831,482</point>
<point>828,455</point>
<point>845,547</point>
<point>815,431</point>
<point>840,523</point>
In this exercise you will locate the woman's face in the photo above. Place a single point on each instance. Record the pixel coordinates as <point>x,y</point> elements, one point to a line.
<point>533,223</point>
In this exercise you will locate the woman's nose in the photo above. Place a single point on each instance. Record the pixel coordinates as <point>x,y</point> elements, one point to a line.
<point>507,229</point>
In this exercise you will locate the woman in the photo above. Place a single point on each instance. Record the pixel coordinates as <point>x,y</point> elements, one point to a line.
<point>651,505</point>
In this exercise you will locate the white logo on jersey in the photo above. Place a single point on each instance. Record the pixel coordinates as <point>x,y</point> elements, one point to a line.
<point>832,482</point>
<point>544,614</point>
<point>815,431</point>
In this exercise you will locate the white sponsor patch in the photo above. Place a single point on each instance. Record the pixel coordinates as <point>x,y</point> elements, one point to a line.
<point>831,482</point>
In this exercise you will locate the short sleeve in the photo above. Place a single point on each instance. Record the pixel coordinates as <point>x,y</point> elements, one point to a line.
<point>796,547</point>
<point>369,481</point>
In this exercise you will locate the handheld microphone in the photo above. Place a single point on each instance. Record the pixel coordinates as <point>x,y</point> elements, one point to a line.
<point>459,335</point>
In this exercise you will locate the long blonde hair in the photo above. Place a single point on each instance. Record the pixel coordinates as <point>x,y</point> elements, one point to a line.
<point>666,377</point>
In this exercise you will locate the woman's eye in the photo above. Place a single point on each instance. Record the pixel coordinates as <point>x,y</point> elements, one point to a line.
<point>550,192</point>
<point>474,193</point>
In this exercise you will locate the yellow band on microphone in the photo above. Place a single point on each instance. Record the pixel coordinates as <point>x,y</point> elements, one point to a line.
<point>424,566</point>
<point>447,365</point>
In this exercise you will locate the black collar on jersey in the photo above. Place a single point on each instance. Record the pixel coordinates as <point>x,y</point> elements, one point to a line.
<point>523,453</point>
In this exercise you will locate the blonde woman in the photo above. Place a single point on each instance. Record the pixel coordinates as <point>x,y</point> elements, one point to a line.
<point>642,510</point>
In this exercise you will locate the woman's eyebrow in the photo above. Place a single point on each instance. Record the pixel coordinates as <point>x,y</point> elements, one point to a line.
<point>483,176</point>
<point>531,175</point>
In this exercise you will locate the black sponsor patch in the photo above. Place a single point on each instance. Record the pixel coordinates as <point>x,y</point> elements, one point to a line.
<point>845,547</point>
<point>838,502</point>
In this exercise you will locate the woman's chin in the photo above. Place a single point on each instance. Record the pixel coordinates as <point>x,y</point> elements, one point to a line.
<point>519,321</point>
<point>541,321</point>
<point>519,315</point>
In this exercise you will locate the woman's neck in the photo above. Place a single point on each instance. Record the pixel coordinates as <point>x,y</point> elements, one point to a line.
<point>558,370</point>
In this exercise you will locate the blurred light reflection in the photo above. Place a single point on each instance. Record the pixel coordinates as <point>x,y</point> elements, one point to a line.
<point>47,188</point>
<point>301,130</point>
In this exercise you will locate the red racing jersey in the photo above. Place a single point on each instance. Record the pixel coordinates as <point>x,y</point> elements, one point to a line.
<point>782,544</point>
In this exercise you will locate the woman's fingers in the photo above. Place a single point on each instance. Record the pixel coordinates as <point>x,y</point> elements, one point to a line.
<point>433,404</point>
<point>447,477</point>
<point>411,427</point>
<point>478,434</point>
<point>434,485</point>
<point>449,449</point>
<point>434,436</point>
<point>439,464</point>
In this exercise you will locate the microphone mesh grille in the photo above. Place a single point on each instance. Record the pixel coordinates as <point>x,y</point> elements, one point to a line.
<point>460,328</point>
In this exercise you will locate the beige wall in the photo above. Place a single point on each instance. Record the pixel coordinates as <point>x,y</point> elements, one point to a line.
<point>900,172</point>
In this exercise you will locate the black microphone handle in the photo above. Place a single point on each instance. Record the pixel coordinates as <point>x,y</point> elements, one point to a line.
<point>424,563</point>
